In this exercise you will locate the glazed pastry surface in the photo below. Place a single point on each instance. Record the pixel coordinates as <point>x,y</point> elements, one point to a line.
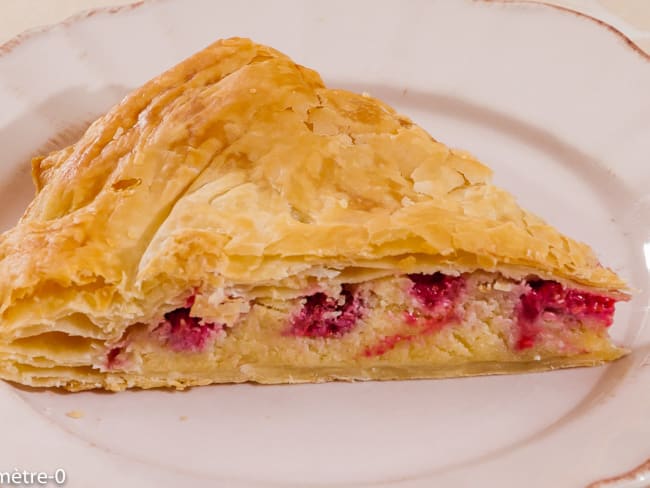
<point>238,180</point>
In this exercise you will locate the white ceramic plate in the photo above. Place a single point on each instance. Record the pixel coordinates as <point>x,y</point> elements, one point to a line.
<point>558,105</point>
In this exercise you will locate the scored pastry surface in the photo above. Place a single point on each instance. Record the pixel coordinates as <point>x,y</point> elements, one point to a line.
<point>238,177</point>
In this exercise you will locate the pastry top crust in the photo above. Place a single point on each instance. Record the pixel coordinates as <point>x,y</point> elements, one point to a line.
<point>241,168</point>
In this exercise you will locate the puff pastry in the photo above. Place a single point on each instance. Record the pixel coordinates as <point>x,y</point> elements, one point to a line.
<point>235,220</point>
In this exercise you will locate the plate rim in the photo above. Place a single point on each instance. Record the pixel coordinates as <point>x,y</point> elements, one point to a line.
<point>9,46</point>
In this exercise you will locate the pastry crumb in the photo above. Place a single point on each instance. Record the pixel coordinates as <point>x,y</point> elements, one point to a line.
<point>502,285</point>
<point>182,418</point>
<point>75,414</point>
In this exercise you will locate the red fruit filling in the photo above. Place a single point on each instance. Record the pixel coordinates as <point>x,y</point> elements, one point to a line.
<point>438,294</point>
<point>385,344</point>
<point>326,316</point>
<point>547,296</point>
<point>113,359</point>
<point>182,332</point>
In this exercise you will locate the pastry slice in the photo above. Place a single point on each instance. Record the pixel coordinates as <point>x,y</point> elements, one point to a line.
<point>235,220</point>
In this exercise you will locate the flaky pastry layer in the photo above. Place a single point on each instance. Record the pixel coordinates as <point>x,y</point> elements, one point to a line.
<point>239,170</point>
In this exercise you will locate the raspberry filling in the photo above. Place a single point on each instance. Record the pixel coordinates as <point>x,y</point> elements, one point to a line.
<point>385,344</point>
<point>182,332</point>
<point>437,292</point>
<point>550,297</point>
<point>437,295</point>
<point>326,316</point>
<point>113,357</point>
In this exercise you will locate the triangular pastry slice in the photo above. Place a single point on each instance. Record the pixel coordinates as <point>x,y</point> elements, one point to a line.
<point>235,220</point>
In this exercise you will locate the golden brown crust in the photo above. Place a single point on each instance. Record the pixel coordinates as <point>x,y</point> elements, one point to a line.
<point>239,167</point>
<point>84,379</point>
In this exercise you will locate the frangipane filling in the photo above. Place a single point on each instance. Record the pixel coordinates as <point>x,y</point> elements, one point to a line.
<point>420,317</point>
